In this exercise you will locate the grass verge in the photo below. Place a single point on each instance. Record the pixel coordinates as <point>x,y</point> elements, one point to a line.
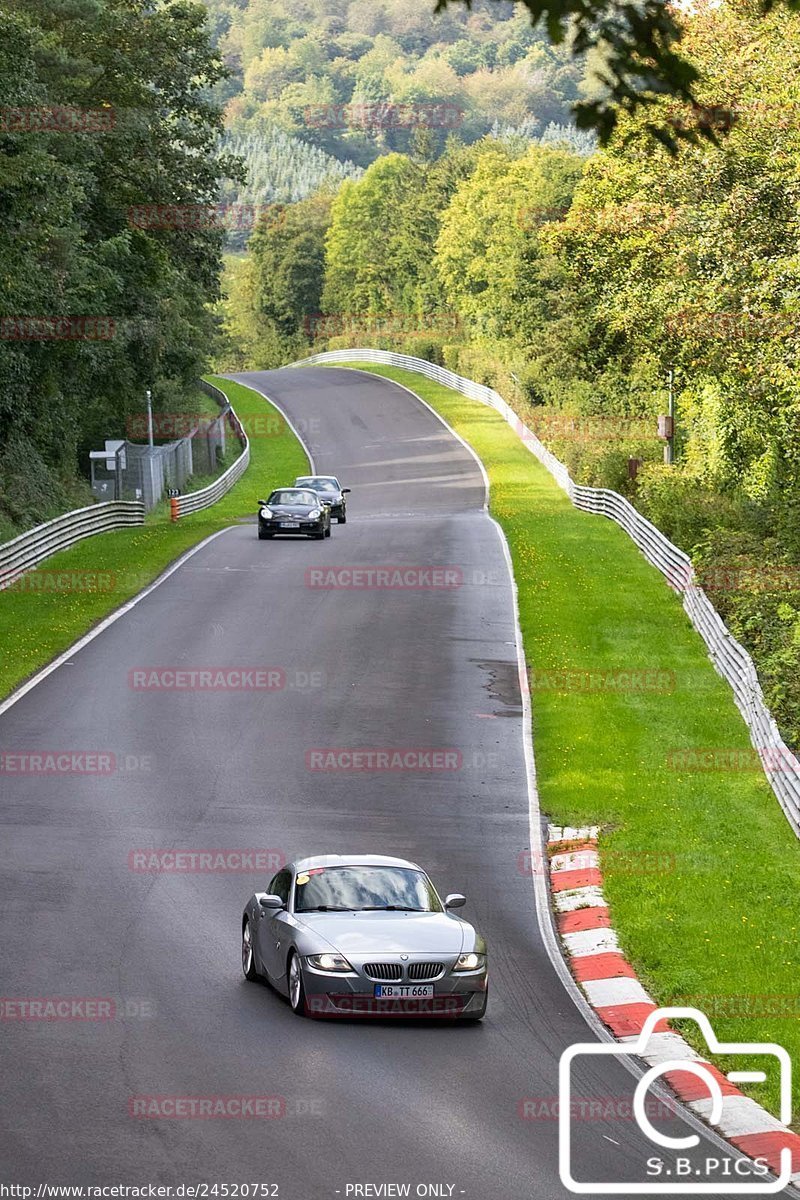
<point>48,609</point>
<point>700,866</point>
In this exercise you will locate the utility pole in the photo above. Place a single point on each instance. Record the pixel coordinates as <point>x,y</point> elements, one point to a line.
<point>149,418</point>
<point>666,423</point>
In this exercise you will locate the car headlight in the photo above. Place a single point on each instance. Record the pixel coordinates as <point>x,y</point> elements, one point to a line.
<point>314,514</point>
<point>266,513</point>
<point>470,962</point>
<point>329,962</point>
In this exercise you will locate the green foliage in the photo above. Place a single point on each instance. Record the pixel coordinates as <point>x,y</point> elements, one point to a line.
<point>639,48</point>
<point>66,242</point>
<point>298,70</point>
<point>359,275</point>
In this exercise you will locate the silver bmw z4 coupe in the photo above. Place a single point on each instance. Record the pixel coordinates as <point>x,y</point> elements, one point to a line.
<point>364,935</point>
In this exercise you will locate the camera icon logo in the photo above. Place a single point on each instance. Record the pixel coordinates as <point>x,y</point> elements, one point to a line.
<point>639,1047</point>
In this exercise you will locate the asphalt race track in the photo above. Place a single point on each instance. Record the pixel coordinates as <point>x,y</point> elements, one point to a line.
<point>415,667</point>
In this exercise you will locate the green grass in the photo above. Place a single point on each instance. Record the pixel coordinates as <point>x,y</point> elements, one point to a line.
<point>719,916</point>
<point>37,626</point>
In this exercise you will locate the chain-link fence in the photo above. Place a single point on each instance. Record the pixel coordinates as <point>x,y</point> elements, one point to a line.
<point>127,470</point>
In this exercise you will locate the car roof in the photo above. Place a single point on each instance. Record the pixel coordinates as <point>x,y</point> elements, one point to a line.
<point>329,478</point>
<point>351,860</point>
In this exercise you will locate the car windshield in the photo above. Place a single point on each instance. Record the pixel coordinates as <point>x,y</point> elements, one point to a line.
<point>363,889</point>
<point>293,496</point>
<point>320,485</point>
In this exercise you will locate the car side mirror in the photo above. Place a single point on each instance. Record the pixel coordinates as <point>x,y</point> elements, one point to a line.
<point>261,502</point>
<point>455,900</point>
<point>345,490</point>
<point>270,900</point>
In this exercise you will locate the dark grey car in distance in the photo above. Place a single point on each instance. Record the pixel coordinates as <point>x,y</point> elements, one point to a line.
<point>364,935</point>
<point>330,492</point>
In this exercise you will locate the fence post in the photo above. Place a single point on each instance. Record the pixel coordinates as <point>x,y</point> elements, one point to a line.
<point>174,508</point>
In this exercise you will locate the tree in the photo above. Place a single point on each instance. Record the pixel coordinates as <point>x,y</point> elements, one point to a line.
<point>69,246</point>
<point>288,250</point>
<point>640,52</point>
<point>365,219</point>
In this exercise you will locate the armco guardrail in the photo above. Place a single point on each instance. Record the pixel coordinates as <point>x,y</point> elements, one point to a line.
<point>728,656</point>
<point>180,506</point>
<point>26,551</point>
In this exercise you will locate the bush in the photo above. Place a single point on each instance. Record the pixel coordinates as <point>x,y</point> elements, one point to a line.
<point>427,347</point>
<point>683,508</point>
<point>601,463</point>
<point>33,491</point>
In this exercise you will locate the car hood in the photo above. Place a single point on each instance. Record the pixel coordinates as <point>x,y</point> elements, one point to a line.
<point>387,932</point>
<point>293,510</point>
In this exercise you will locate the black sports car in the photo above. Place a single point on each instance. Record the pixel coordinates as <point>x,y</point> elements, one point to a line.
<point>293,510</point>
<point>329,491</point>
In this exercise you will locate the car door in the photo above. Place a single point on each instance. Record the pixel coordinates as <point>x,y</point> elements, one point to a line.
<point>267,936</point>
<point>274,929</point>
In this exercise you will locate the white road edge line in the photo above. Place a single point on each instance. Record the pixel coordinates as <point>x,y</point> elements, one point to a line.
<point>540,884</point>
<point>41,675</point>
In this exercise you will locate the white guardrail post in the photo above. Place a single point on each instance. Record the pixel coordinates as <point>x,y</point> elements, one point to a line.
<point>729,657</point>
<point>26,551</point>
<point>180,506</point>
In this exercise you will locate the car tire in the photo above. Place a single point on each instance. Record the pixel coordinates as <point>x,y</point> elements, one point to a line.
<point>248,954</point>
<point>342,520</point>
<point>263,536</point>
<point>296,987</point>
<point>320,535</point>
<point>328,532</point>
